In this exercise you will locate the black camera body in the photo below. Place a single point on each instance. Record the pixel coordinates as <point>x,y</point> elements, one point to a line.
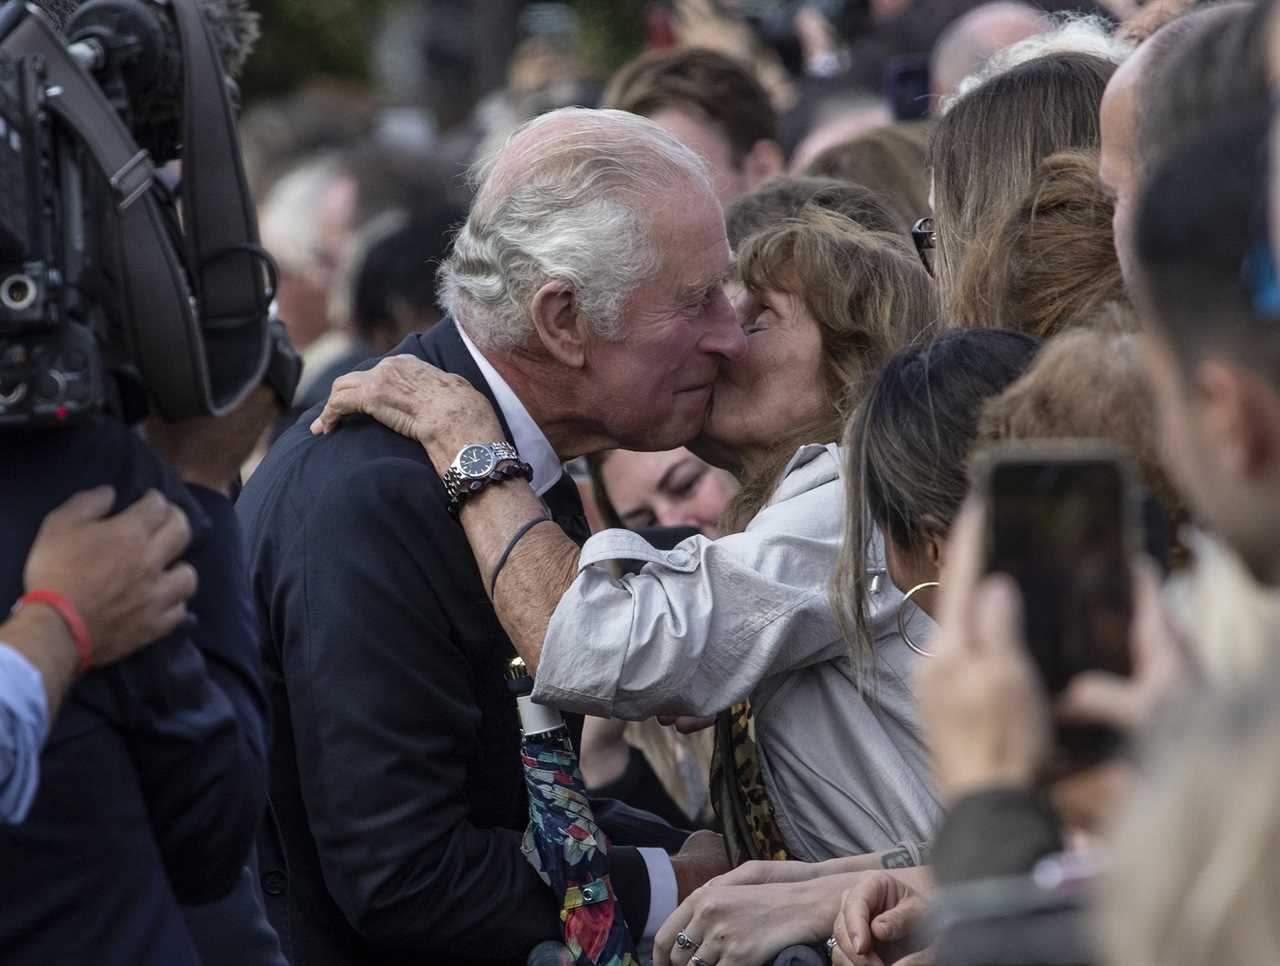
<point>119,291</point>
<point>50,363</point>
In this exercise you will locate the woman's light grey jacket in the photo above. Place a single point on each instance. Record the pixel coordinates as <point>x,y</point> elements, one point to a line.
<point>713,621</point>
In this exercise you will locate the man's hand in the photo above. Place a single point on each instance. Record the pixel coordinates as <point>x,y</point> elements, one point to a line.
<point>441,411</point>
<point>981,701</point>
<point>747,925</point>
<point>119,572</point>
<point>210,450</point>
<point>876,920</point>
<point>700,860</point>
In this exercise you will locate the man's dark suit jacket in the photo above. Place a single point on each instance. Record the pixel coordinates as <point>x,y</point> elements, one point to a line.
<point>396,781</point>
<point>153,777</point>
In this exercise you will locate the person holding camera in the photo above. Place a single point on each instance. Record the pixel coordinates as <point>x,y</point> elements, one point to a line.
<point>154,772</point>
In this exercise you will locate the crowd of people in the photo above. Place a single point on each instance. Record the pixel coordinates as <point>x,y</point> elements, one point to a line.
<point>733,339</point>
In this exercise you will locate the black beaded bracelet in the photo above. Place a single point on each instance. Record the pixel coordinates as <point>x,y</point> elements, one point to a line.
<point>500,475</point>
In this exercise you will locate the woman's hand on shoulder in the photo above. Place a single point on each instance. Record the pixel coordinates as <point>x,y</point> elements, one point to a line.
<point>440,410</point>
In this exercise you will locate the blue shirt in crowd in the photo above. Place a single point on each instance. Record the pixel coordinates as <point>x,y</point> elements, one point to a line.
<point>24,723</point>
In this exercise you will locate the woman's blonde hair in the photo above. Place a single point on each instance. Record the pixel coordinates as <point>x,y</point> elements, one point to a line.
<point>1192,877</point>
<point>868,295</point>
<point>1050,262</point>
<point>986,149</point>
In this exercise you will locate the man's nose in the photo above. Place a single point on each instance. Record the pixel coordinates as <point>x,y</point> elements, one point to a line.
<point>724,336</point>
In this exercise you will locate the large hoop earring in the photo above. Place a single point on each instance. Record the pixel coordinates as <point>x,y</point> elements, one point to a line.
<point>902,623</point>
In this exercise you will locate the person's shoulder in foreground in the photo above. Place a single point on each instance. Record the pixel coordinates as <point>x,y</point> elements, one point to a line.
<point>153,775</point>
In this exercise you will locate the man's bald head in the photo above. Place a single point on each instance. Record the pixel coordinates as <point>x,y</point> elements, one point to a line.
<point>624,155</point>
<point>1132,133</point>
<point>969,42</point>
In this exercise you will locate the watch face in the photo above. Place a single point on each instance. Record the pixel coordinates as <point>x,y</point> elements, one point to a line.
<point>476,461</point>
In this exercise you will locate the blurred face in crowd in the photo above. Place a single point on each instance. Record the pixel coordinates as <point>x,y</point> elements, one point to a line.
<point>302,297</point>
<point>1220,440</point>
<point>1117,165</point>
<point>697,132</point>
<point>652,388</point>
<point>670,489</point>
<point>777,387</point>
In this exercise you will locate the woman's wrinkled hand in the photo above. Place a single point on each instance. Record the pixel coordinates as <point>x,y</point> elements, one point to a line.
<point>441,411</point>
<point>746,925</point>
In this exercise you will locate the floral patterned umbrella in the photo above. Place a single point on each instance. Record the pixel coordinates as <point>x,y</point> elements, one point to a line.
<point>563,842</point>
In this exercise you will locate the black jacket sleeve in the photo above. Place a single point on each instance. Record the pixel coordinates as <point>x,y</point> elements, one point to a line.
<point>385,720</point>
<point>195,716</point>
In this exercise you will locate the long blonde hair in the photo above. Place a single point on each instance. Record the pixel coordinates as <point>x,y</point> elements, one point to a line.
<point>985,150</point>
<point>868,294</point>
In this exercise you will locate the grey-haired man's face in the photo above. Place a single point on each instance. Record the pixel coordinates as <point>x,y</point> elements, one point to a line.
<point>655,383</point>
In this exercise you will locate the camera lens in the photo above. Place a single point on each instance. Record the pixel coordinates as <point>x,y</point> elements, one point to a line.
<point>17,292</point>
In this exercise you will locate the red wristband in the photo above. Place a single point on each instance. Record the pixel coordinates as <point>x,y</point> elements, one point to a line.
<point>70,616</point>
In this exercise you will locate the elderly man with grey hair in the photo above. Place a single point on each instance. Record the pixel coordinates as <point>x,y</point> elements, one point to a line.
<point>587,304</point>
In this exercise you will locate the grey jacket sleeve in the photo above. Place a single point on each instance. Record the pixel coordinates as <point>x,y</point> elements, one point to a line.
<point>701,625</point>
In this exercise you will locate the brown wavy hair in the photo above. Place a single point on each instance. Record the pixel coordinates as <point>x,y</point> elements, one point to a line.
<point>1051,260</point>
<point>869,296</point>
<point>891,161</point>
<point>1089,384</point>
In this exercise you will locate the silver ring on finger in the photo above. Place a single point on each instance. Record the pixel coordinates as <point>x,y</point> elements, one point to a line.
<point>685,941</point>
<point>699,961</point>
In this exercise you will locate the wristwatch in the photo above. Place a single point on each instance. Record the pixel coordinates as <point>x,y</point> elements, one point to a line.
<point>479,464</point>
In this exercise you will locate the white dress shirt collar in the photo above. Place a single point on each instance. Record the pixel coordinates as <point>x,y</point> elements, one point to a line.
<point>532,443</point>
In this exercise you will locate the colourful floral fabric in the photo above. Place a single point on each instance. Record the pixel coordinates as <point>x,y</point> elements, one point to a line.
<point>571,854</point>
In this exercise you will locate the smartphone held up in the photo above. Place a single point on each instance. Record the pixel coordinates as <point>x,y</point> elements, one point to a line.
<point>1063,520</point>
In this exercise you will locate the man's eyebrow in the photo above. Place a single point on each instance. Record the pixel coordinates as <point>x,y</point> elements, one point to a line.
<point>699,289</point>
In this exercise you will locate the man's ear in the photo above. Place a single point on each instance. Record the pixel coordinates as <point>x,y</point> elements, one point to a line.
<point>1239,416</point>
<point>561,327</point>
<point>763,161</point>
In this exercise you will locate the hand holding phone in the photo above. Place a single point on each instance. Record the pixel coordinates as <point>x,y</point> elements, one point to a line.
<point>1062,521</point>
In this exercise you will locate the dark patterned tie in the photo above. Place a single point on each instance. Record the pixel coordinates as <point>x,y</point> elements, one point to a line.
<point>565,505</point>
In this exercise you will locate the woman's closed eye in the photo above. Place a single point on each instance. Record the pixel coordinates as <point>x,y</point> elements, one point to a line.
<point>683,486</point>
<point>760,318</point>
